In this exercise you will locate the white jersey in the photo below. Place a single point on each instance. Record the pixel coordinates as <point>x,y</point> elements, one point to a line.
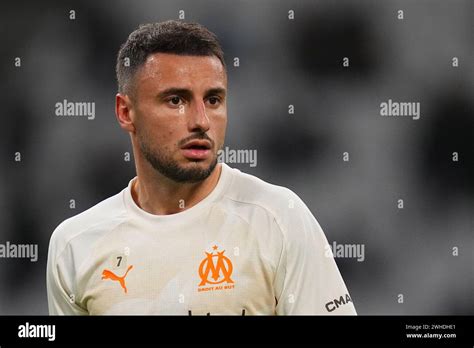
<point>248,248</point>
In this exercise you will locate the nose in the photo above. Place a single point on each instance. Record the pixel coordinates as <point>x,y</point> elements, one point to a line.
<point>197,118</point>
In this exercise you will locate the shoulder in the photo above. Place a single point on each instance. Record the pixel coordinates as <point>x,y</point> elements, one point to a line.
<point>101,218</point>
<point>284,205</point>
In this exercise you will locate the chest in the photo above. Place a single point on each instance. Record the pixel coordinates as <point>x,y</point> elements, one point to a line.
<point>206,272</point>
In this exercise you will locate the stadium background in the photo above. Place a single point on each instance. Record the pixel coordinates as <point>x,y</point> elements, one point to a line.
<point>299,62</point>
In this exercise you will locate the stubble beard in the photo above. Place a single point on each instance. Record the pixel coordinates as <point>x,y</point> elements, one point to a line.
<point>164,164</point>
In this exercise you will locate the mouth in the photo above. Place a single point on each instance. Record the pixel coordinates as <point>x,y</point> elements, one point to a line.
<point>197,149</point>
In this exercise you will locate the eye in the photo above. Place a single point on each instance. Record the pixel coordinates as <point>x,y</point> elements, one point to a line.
<point>175,100</point>
<point>214,100</point>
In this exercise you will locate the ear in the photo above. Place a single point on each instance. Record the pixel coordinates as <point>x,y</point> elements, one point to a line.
<point>124,112</point>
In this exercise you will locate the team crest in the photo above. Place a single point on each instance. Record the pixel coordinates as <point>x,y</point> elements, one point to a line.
<point>215,269</point>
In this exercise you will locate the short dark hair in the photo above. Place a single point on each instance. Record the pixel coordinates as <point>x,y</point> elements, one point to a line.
<point>171,36</point>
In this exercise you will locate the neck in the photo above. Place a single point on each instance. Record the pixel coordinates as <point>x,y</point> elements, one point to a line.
<point>158,195</point>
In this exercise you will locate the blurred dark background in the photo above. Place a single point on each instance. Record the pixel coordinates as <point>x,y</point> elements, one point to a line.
<point>408,251</point>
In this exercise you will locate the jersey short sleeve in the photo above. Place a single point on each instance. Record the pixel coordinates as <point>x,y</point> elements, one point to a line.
<point>60,278</point>
<point>308,281</point>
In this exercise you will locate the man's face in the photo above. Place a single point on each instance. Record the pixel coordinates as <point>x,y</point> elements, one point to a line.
<point>180,114</point>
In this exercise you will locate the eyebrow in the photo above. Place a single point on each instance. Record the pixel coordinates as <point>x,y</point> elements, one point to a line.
<point>216,91</point>
<point>187,93</point>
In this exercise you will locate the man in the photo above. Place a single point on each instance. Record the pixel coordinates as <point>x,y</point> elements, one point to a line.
<point>188,235</point>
